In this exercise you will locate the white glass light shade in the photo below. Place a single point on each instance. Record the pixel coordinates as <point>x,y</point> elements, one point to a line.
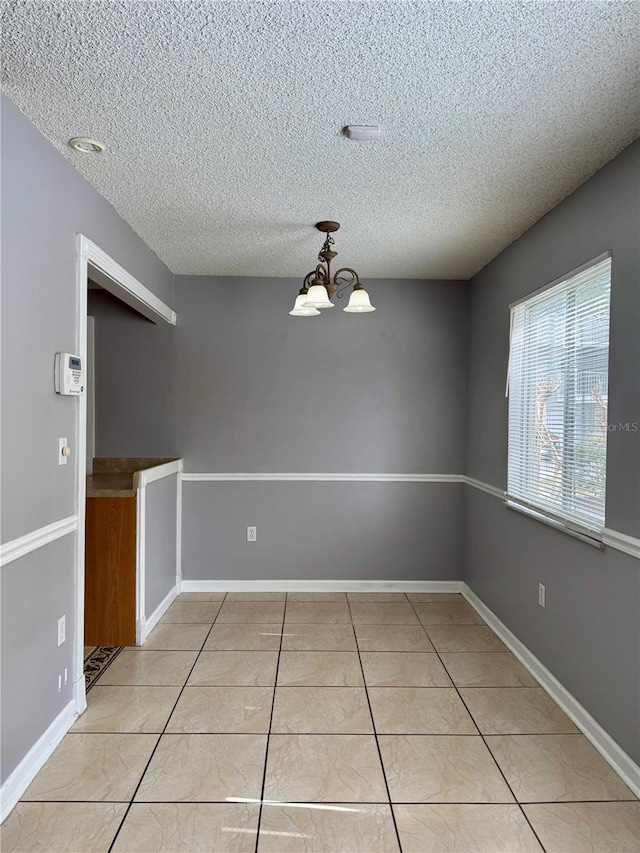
<point>359,302</point>
<point>300,310</point>
<point>317,297</point>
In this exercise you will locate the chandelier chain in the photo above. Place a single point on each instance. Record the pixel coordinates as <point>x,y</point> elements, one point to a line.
<point>326,247</point>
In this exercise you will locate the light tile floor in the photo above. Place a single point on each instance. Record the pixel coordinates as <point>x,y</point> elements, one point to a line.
<point>359,723</point>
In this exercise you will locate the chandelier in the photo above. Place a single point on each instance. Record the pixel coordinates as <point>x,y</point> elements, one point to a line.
<point>320,285</point>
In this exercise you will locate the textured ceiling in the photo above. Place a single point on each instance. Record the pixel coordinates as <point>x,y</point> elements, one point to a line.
<point>223,120</point>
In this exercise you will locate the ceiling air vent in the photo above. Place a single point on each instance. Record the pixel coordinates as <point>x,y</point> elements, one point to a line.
<point>362,133</point>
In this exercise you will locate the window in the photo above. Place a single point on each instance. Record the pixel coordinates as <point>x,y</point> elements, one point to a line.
<point>558,390</point>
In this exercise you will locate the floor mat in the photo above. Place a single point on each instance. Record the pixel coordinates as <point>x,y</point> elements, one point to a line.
<point>97,661</point>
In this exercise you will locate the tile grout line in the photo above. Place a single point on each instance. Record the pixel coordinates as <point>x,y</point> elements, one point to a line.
<point>343,802</point>
<point>473,719</point>
<point>154,750</point>
<point>273,703</point>
<point>375,733</point>
<point>323,734</point>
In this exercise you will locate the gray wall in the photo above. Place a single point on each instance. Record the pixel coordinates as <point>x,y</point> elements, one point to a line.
<point>326,530</point>
<point>36,590</point>
<point>603,214</point>
<point>160,540</point>
<point>589,633</point>
<point>136,410</point>
<point>45,202</point>
<point>260,391</point>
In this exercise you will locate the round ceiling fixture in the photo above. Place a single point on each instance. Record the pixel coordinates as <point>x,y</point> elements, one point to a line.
<point>87,146</point>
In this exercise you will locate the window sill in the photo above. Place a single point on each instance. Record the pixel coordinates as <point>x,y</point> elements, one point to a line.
<point>593,539</point>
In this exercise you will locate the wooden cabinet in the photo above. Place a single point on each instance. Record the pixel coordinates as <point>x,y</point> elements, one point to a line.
<point>110,572</point>
<point>115,568</point>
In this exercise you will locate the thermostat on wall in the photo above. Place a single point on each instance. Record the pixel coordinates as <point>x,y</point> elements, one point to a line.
<point>69,374</point>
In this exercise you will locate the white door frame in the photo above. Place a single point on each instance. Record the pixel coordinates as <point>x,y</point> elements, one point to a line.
<point>114,278</point>
<point>90,391</point>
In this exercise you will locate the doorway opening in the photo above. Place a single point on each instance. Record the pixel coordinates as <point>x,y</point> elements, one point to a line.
<point>93,264</point>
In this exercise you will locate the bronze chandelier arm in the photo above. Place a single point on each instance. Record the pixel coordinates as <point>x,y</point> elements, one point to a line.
<point>343,283</point>
<point>321,272</point>
<point>318,273</point>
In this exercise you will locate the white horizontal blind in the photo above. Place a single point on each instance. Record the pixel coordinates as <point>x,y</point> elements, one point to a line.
<point>558,390</point>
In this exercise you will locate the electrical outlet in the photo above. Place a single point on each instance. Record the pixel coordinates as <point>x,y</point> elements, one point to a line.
<point>542,595</point>
<point>62,630</point>
<point>252,534</point>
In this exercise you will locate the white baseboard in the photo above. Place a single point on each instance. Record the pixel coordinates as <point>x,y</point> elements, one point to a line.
<point>191,477</point>
<point>319,586</point>
<point>158,613</point>
<point>18,782</point>
<point>613,754</point>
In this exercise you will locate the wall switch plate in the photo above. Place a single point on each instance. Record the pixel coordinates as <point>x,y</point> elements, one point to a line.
<point>62,630</point>
<point>542,595</point>
<point>64,451</point>
<point>252,534</point>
